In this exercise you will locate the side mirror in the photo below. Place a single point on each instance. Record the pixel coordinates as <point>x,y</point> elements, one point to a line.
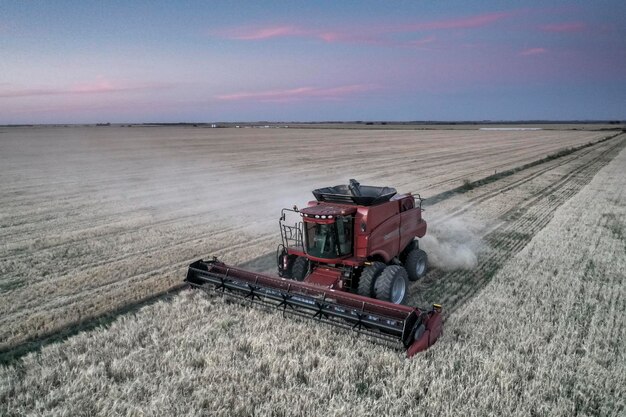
<point>295,208</point>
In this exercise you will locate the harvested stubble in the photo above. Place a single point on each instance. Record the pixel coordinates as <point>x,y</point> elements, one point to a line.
<point>545,337</point>
<point>94,219</point>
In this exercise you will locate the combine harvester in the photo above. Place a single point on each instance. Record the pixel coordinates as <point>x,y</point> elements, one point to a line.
<point>347,261</point>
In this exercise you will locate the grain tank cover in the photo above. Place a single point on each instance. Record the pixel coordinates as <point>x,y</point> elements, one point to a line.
<point>355,193</point>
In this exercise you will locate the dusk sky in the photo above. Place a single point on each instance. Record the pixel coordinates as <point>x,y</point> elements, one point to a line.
<point>162,61</point>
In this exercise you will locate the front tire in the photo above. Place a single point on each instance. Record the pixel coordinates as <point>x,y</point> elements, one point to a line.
<point>368,278</point>
<point>300,268</point>
<point>416,264</point>
<point>392,285</point>
<point>285,265</point>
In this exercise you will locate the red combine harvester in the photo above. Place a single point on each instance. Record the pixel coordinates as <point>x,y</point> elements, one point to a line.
<point>346,260</point>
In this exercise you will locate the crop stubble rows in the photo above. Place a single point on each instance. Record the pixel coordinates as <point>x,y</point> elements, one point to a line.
<point>97,219</point>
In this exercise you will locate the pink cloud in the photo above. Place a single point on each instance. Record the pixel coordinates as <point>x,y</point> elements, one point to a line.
<point>27,92</point>
<point>99,87</point>
<point>421,42</point>
<point>330,36</point>
<point>565,27</point>
<point>263,33</point>
<point>121,105</point>
<point>366,35</point>
<point>270,32</point>
<point>300,93</point>
<point>469,22</point>
<point>533,51</point>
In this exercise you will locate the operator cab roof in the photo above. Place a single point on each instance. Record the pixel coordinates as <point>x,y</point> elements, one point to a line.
<point>327,210</point>
<point>354,193</point>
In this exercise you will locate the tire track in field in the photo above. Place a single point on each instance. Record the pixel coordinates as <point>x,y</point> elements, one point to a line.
<point>505,166</point>
<point>481,198</point>
<point>539,167</point>
<point>518,226</point>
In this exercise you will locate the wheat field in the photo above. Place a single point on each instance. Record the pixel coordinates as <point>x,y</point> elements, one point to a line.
<point>96,218</point>
<point>543,335</point>
<point>95,221</point>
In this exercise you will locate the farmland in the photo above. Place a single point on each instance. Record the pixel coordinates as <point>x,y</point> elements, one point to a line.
<point>96,219</point>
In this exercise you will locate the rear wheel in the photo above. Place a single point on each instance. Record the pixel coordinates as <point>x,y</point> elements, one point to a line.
<point>416,264</point>
<point>368,277</point>
<point>392,285</point>
<point>300,268</point>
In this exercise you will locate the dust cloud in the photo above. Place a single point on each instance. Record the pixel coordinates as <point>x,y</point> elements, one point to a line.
<point>453,244</point>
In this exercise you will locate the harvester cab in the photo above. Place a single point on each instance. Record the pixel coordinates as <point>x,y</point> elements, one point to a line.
<point>353,230</point>
<point>328,231</point>
<point>345,259</point>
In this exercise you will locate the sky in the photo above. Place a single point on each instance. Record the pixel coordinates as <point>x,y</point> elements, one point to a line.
<point>209,61</point>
